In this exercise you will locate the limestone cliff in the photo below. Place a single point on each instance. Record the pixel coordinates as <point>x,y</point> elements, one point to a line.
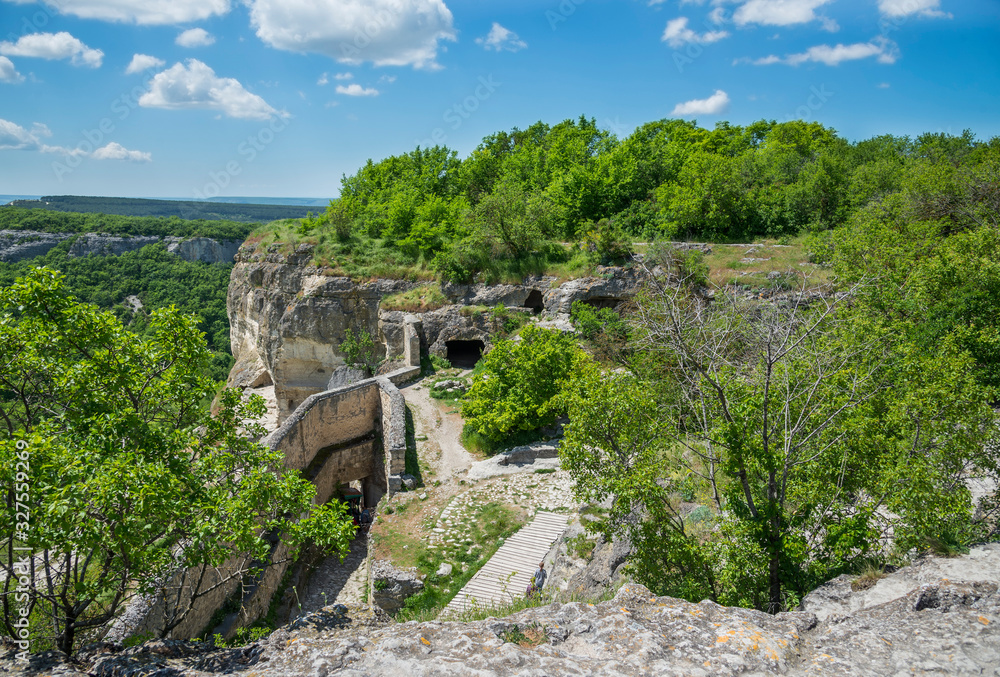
<point>18,245</point>
<point>287,317</point>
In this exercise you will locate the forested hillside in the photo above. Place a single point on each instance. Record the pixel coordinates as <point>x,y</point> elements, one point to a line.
<point>510,207</point>
<point>190,210</point>
<point>17,218</point>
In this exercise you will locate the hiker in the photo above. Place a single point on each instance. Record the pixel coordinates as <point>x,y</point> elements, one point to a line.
<point>537,581</point>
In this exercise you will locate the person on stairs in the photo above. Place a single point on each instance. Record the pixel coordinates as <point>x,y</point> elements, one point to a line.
<point>537,581</point>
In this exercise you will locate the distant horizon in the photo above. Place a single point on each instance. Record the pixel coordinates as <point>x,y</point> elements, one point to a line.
<point>222,199</point>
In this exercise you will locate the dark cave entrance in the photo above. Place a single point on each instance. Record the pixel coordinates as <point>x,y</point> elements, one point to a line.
<point>534,302</point>
<point>464,354</point>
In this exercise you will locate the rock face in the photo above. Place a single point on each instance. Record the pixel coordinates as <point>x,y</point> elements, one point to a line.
<point>391,586</point>
<point>942,626</point>
<point>287,321</point>
<point>18,245</point>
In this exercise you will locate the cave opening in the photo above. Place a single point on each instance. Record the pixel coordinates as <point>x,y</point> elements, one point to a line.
<point>464,354</point>
<point>534,302</point>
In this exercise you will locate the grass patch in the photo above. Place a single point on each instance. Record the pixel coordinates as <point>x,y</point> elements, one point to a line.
<point>475,442</point>
<point>544,471</point>
<point>868,577</point>
<point>580,546</point>
<point>419,300</point>
<point>750,265</point>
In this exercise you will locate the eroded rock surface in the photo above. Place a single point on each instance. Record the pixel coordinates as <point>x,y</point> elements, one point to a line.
<point>934,626</point>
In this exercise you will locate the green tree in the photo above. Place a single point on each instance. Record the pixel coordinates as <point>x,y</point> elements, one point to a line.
<point>515,388</point>
<point>126,475</point>
<point>808,434</point>
<point>361,351</point>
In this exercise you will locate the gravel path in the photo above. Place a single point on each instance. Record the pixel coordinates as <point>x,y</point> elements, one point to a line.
<point>443,430</point>
<point>336,582</point>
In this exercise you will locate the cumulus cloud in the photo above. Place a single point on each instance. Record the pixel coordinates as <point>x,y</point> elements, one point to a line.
<point>384,32</point>
<point>501,39</point>
<point>116,151</point>
<point>195,85</point>
<point>54,46</point>
<point>139,11</point>
<point>141,62</point>
<point>903,8</point>
<point>195,37</point>
<point>883,50</point>
<point>7,71</point>
<point>15,137</point>
<point>778,12</point>
<point>713,105</point>
<point>355,89</point>
<point>677,34</point>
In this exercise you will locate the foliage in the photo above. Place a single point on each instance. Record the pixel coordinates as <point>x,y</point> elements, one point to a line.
<point>360,351</point>
<point>810,433</point>
<point>157,278</point>
<point>85,221</point>
<point>515,388</point>
<point>129,477</point>
<point>148,212</point>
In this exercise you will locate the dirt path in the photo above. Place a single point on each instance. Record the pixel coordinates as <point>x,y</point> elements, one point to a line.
<point>442,430</point>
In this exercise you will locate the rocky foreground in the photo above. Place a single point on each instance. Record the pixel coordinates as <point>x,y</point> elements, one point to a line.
<point>937,616</point>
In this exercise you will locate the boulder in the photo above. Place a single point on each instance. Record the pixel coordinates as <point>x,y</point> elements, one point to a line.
<point>392,586</point>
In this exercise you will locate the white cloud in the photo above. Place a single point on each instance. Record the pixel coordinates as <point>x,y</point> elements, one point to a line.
<point>116,151</point>
<point>501,39</point>
<point>355,89</point>
<point>883,85</point>
<point>384,32</point>
<point>139,11</point>
<point>195,85</point>
<point>15,137</point>
<point>7,71</point>
<point>388,79</point>
<point>141,62</point>
<point>195,37</point>
<point>677,34</point>
<point>53,46</point>
<point>343,76</point>
<point>829,24</point>
<point>777,12</point>
<point>901,8</point>
<point>713,105</point>
<point>323,80</point>
<point>884,50</point>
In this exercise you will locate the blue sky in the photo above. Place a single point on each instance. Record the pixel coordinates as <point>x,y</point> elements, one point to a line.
<point>201,98</point>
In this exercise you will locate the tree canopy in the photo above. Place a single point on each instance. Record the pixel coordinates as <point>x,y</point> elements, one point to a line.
<point>115,474</point>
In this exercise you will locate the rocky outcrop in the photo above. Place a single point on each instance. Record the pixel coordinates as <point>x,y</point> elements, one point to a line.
<point>18,245</point>
<point>391,586</point>
<point>96,244</point>
<point>925,625</point>
<point>204,249</point>
<point>287,320</point>
<point>289,317</point>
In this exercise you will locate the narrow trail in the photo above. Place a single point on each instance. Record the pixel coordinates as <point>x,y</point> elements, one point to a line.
<point>442,430</point>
